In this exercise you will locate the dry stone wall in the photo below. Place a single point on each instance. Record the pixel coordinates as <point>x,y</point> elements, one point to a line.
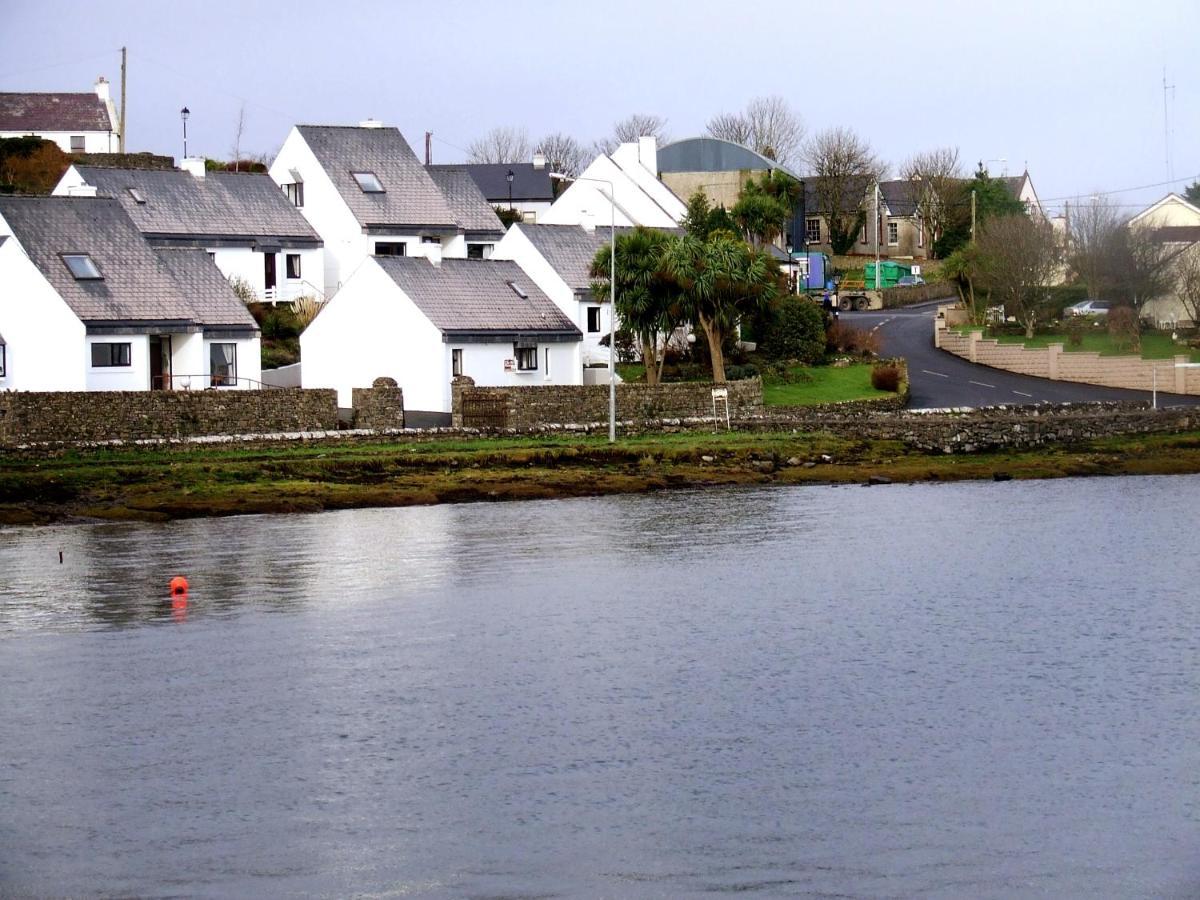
<point>379,407</point>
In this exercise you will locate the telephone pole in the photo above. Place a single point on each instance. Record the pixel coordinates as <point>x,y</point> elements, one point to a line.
<point>122,141</point>
<point>972,215</point>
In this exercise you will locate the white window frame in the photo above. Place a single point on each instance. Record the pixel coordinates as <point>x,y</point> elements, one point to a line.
<point>456,362</point>
<point>368,182</point>
<point>590,311</point>
<point>228,380</point>
<point>893,228</point>
<point>82,140</point>
<point>524,356</point>
<point>809,229</point>
<point>3,359</point>
<point>295,193</point>
<point>287,266</point>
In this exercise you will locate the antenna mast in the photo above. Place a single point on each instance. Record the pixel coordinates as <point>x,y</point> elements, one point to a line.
<point>1166,126</point>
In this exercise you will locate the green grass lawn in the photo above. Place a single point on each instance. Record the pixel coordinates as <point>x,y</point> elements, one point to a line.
<point>1154,346</point>
<point>822,384</point>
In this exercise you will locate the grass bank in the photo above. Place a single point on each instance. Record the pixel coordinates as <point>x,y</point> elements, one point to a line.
<point>165,483</point>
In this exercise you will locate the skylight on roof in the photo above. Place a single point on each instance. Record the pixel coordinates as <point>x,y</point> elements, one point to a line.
<point>136,195</point>
<point>369,183</point>
<point>81,266</point>
<point>518,290</point>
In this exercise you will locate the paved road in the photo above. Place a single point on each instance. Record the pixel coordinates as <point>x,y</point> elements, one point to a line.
<point>939,379</point>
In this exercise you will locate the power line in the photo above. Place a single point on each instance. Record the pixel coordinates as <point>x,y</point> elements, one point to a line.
<point>1141,187</point>
<point>58,65</point>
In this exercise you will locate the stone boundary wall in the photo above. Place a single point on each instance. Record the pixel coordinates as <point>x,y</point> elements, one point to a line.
<point>910,295</point>
<point>1056,363</point>
<point>68,417</point>
<point>531,407</point>
<point>379,407</point>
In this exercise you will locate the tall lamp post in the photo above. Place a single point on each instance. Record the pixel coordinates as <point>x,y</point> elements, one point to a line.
<point>509,178</point>
<point>612,298</point>
<point>183,114</point>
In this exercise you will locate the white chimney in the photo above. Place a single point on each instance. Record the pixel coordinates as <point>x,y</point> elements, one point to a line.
<point>193,165</point>
<point>539,161</point>
<point>433,252</point>
<point>370,123</point>
<point>587,221</point>
<point>81,190</point>
<point>102,89</point>
<point>648,153</point>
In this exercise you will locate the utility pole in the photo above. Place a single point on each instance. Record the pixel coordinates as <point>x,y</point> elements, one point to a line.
<point>1166,128</point>
<point>429,148</point>
<point>122,142</point>
<point>876,235</point>
<point>972,215</point>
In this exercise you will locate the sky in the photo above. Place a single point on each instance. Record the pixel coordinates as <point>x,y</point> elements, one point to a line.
<point>1073,90</point>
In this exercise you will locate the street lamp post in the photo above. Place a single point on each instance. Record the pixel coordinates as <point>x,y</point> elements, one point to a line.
<point>509,178</point>
<point>612,298</point>
<point>183,114</point>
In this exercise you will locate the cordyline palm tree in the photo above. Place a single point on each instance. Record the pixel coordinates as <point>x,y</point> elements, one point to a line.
<point>722,278</point>
<point>648,300</point>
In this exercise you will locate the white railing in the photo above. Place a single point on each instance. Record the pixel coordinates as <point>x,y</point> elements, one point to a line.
<point>292,290</point>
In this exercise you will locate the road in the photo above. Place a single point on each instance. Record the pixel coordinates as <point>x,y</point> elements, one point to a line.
<point>939,379</point>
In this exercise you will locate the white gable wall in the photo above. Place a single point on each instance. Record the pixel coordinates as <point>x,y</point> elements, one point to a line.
<point>1171,211</point>
<point>93,141</point>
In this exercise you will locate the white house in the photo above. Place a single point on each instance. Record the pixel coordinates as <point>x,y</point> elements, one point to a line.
<point>425,321</point>
<point>86,304</point>
<point>1174,222</point>
<point>78,123</point>
<point>241,219</point>
<point>1172,211</point>
<point>524,187</point>
<point>365,193</point>
<point>478,225</point>
<point>624,186</point>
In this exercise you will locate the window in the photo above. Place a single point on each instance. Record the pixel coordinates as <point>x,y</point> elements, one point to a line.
<point>812,231</point>
<point>368,182</point>
<point>223,364</point>
<point>137,196</point>
<point>862,234</point>
<point>527,358</point>
<point>480,251</point>
<point>893,233</point>
<point>77,143</point>
<point>518,290</point>
<point>391,249</point>
<point>920,233</point>
<point>3,359</point>
<point>293,265</point>
<point>456,362</point>
<point>430,239</point>
<point>81,266</point>
<point>106,355</point>
<point>593,323</point>
<point>529,217</point>
<point>547,362</point>
<point>295,193</point>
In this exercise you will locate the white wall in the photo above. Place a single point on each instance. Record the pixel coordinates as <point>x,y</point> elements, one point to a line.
<point>1171,211</point>
<point>44,340</point>
<point>249,361</point>
<point>249,264</point>
<point>486,364</point>
<point>636,204</point>
<point>93,141</point>
<point>134,377</point>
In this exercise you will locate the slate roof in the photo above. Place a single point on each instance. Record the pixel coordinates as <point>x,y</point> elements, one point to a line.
<point>409,198</point>
<point>900,197</point>
<point>137,285</point>
<point>208,292</point>
<point>569,250</point>
<point>54,112</point>
<point>856,194</point>
<point>492,178</point>
<point>474,295</point>
<point>471,210</point>
<point>221,204</point>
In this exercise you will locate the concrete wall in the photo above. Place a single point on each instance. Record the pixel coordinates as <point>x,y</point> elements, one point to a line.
<point>531,407</point>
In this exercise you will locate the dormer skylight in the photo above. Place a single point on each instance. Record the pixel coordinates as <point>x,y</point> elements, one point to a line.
<point>368,182</point>
<point>82,266</point>
<point>136,195</point>
<point>518,290</point>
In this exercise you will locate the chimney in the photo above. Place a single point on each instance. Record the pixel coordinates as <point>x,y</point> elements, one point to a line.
<point>587,221</point>
<point>194,165</point>
<point>648,153</point>
<point>539,161</point>
<point>370,123</point>
<point>81,190</point>
<point>102,89</point>
<point>433,252</point>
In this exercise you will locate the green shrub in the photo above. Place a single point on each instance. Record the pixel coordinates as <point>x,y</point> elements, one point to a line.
<point>741,373</point>
<point>796,331</point>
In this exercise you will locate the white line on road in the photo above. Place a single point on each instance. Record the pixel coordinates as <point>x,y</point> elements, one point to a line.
<point>981,384</point>
<point>938,374</point>
<point>1023,394</point>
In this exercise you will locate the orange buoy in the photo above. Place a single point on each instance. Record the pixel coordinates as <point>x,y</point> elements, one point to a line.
<point>179,585</point>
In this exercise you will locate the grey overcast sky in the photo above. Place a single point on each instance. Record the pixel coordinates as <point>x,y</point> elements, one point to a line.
<point>1073,89</point>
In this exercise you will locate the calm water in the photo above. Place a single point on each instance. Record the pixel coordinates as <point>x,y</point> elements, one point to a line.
<point>973,690</point>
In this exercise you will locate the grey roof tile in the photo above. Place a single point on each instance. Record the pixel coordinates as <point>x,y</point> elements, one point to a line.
<point>476,295</point>
<point>136,285</point>
<point>53,112</point>
<point>900,197</point>
<point>529,184</point>
<point>569,249</point>
<point>221,204</point>
<point>409,197</point>
<point>208,291</point>
<point>471,210</point>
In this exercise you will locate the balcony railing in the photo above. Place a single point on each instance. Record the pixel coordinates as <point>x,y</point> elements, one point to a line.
<point>205,382</point>
<point>292,290</point>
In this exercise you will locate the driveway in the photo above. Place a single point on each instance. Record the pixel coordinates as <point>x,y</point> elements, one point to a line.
<point>939,379</point>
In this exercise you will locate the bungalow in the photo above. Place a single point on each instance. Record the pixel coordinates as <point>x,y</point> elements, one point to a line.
<point>78,123</point>
<point>425,321</point>
<point>86,304</point>
<point>243,220</point>
<point>365,193</point>
<point>528,191</point>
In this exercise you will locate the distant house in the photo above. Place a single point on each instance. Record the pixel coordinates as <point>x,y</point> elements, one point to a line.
<point>78,123</point>
<point>530,192</point>
<point>87,304</point>
<point>1174,222</point>
<point>1021,188</point>
<point>425,321</point>
<point>1171,212</point>
<point>242,220</point>
<point>365,193</point>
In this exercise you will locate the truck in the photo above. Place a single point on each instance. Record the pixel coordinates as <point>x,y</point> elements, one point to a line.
<point>851,294</point>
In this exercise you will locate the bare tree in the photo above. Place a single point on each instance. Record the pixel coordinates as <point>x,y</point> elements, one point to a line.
<point>631,128</point>
<point>1138,266</point>
<point>933,176</point>
<point>501,145</point>
<point>563,153</point>
<point>1021,257</point>
<point>1092,227</point>
<point>845,167</point>
<point>1187,280</point>
<point>768,126</point>
<point>238,130</point>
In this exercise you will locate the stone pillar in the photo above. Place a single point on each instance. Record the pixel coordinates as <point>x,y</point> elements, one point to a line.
<point>939,325</point>
<point>1054,350</point>
<point>457,384</point>
<point>972,352</point>
<point>1180,375</point>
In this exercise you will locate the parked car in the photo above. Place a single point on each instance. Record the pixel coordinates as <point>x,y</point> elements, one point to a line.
<point>1088,308</point>
<point>909,280</point>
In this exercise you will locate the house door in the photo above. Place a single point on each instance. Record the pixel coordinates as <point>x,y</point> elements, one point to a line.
<point>160,362</point>
<point>269,271</point>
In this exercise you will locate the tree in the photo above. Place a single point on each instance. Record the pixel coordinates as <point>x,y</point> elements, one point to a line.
<point>795,330</point>
<point>1138,266</point>
<point>967,267</point>
<point>1019,258</point>
<point>721,278</point>
<point>31,165</point>
<point>845,167</point>
<point>1187,275</point>
<point>702,218</point>
<point>648,299</point>
<point>1192,193</point>
<point>768,126</point>
<point>764,207</point>
<point>933,175</point>
<point>563,154</point>
<point>507,216</point>
<point>238,130</point>
<point>501,145</point>
<point>992,198</point>
<point>1092,228</point>
<point>632,127</point>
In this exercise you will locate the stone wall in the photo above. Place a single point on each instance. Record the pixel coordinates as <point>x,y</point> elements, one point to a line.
<point>35,417</point>
<point>897,297</point>
<point>1055,362</point>
<point>380,406</point>
<point>530,407</point>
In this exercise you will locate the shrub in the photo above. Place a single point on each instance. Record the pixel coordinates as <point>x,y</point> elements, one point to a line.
<point>844,338</point>
<point>1124,328</point>
<point>243,289</point>
<point>1075,327</point>
<point>305,309</point>
<point>740,373</point>
<point>886,377</point>
<point>797,331</point>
